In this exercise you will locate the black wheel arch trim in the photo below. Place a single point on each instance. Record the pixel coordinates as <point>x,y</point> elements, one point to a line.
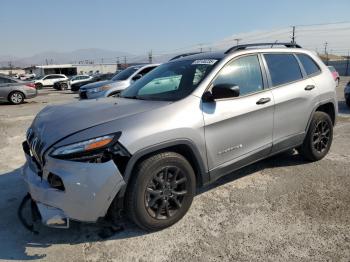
<point>317,106</point>
<point>202,171</point>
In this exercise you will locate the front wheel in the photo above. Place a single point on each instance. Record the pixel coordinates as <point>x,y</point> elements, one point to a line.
<point>161,191</point>
<point>319,137</point>
<point>16,98</point>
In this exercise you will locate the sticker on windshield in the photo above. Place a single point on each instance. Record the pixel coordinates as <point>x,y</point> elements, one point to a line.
<point>204,62</point>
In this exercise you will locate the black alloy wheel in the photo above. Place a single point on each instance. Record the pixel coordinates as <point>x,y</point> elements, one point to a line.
<point>321,136</point>
<point>165,193</point>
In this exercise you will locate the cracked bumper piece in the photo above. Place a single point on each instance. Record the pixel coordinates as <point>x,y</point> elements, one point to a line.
<point>89,190</point>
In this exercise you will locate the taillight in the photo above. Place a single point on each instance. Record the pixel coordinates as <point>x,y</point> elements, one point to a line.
<point>32,85</point>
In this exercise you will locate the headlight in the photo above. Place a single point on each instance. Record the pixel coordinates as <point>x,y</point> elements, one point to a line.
<point>99,89</point>
<point>84,146</point>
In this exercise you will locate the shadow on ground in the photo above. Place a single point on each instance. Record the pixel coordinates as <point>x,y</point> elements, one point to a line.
<point>15,239</point>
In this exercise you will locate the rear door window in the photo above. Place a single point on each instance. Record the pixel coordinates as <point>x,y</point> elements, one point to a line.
<point>309,64</point>
<point>283,68</point>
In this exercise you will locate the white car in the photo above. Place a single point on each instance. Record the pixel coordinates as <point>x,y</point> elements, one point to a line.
<point>79,78</point>
<point>26,76</point>
<point>49,80</point>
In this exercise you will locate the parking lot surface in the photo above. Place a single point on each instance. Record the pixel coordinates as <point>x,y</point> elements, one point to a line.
<point>279,209</point>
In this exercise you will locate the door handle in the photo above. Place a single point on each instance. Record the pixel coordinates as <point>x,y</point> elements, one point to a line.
<point>309,87</point>
<point>263,100</point>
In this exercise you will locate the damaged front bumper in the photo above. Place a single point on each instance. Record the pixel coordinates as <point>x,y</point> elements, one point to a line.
<point>89,189</point>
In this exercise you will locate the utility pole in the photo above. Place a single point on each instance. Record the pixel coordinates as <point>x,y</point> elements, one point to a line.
<point>201,48</point>
<point>293,35</point>
<point>150,57</point>
<point>237,40</point>
<point>325,52</point>
<point>347,65</point>
<point>124,61</point>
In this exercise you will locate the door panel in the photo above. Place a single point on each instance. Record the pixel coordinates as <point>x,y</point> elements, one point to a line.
<point>295,97</point>
<point>293,107</point>
<point>237,127</point>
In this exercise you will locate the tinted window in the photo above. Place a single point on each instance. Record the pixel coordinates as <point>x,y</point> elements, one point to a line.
<point>244,72</point>
<point>125,74</point>
<point>4,80</point>
<point>284,68</point>
<point>146,70</point>
<point>309,64</point>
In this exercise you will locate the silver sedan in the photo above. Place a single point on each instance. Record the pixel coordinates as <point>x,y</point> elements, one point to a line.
<point>15,91</point>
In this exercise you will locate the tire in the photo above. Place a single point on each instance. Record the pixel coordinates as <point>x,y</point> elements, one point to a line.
<point>38,85</point>
<point>63,86</point>
<point>154,204</point>
<point>319,137</point>
<point>16,97</point>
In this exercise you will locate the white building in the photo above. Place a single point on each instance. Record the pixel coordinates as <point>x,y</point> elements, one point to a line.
<point>72,69</point>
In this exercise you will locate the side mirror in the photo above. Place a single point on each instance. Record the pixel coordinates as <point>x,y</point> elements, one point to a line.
<point>221,91</point>
<point>137,77</point>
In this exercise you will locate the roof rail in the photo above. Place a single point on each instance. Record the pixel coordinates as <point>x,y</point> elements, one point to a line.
<point>183,55</point>
<point>245,46</point>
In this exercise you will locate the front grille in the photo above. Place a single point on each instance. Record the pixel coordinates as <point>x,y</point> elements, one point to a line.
<point>36,146</point>
<point>83,95</point>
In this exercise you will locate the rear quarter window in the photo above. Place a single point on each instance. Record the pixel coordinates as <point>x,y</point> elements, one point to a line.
<point>309,64</point>
<point>283,68</point>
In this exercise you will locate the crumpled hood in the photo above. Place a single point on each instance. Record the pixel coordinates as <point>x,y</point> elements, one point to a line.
<point>56,122</point>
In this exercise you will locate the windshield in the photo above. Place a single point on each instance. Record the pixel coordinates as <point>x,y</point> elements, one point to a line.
<point>125,74</point>
<point>171,81</point>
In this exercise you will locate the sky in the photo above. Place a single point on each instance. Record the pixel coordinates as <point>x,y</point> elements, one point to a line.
<point>34,26</point>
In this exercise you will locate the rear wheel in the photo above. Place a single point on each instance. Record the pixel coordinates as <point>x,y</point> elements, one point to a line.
<point>64,86</point>
<point>161,191</point>
<point>319,137</point>
<point>38,85</point>
<point>337,82</point>
<point>16,97</point>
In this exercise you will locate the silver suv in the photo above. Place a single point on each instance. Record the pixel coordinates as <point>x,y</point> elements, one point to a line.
<point>182,126</point>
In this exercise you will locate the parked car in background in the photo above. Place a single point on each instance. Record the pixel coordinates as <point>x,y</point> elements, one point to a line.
<point>148,151</point>
<point>49,80</point>
<point>118,83</point>
<point>347,94</point>
<point>66,84</point>
<point>335,74</point>
<point>95,78</point>
<point>79,78</point>
<point>15,91</point>
<point>27,76</point>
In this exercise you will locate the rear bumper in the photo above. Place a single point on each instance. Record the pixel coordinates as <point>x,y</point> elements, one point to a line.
<point>31,94</point>
<point>89,190</point>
